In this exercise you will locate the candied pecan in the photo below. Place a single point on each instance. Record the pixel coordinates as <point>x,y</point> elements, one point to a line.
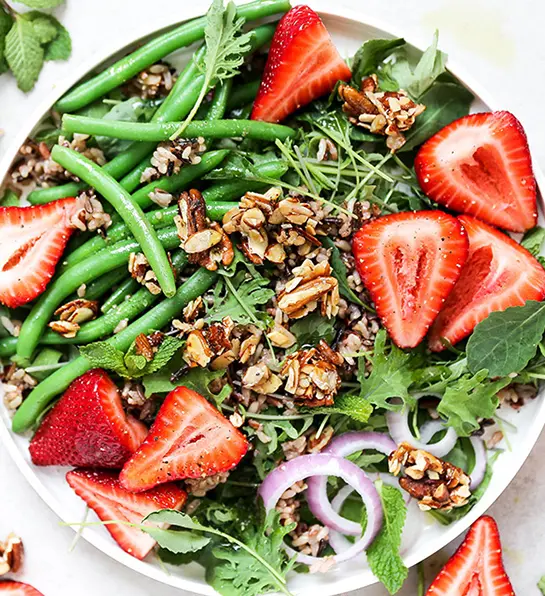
<point>78,311</point>
<point>11,554</point>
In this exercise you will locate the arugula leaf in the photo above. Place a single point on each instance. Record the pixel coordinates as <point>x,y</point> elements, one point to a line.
<point>370,55</point>
<point>238,297</point>
<point>311,329</point>
<point>130,365</point>
<point>354,406</point>
<point>506,341</point>
<point>23,53</point>
<point>445,102</point>
<point>541,585</point>
<point>383,554</point>
<point>340,272</point>
<point>197,379</point>
<point>468,400</point>
<point>178,541</point>
<point>391,375</point>
<point>225,49</point>
<point>533,240</point>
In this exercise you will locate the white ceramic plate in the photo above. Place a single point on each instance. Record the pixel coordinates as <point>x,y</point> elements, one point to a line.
<point>349,29</point>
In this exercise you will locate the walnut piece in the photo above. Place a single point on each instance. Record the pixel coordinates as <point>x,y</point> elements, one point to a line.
<point>388,113</point>
<point>434,483</point>
<point>11,554</point>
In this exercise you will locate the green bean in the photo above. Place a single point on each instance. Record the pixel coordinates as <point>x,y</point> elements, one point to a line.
<point>127,288</point>
<point>97,288</point>
<point>68,282</point>
<point>162,131</point>
<point>156,318</point>
<point>155,50</point>
<point>219,102</point>
<point>8,345</point>
<point>243,94</point>
<point>128,210</point>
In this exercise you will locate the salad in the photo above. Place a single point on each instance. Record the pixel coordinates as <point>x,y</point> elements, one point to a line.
<point>266,303</point>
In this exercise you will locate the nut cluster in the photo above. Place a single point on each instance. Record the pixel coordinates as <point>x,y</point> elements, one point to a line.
<point>140,270</point>
<point>436,484</point>
<point>388,113</point>
<point>90,214</point>
<point>209,344</point>
<point>72,314</point>
<point>147,345</point>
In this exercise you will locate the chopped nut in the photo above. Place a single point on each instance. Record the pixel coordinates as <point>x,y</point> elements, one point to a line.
<point>201,241</point>
<point>205,343</point>
<point>140,270</point>
<point>121,325</point>
<point>90,214</point>
<point>281,338</point>
<point>260,379</point>
<point>193,308</point>
<point>143,347</point>
<point>65,328</point>
<point>11,554</point>
<point>78,311</point>
<point>435,483</point>
<point>197,351</point>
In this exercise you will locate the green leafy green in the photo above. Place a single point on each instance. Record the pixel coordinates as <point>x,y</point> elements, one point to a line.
<point>41,3</point>
<point>44,26</point>
<point>311,329</point>
<point>61,47</point>
<point>24,53</point>
<point>541,585</point>
<point>6,22</point>
<point>198,379</point>
<point>383,554</point>
<point>130,365</point>
<point>370,55</point>
<point>9,199</point>
<point>225,48</point>
<point>506,341</point>
<point>340,272</point>
<point>353,406</point>
<point>533,240</point>
<point>178,541</point>
<point>468,400</point>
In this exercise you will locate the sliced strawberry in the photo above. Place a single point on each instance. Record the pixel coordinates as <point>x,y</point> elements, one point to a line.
<point>481,165</point>
<point>409,263</point>
<point>303,64</point>
<point>498,273</point>
<point>87,427</point>
<point>110,501</point>
<point>33,239</point>
<point>476,568</point>
<point>18,589</point>
<point>189,439</point>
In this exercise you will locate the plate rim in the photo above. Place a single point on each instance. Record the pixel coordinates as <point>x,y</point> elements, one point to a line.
<point>103,543</point>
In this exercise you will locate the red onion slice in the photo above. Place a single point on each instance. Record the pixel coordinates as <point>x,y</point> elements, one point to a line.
<point>479,470</point>
<point>325,464</point>
<point>398,425</point>
<point>343,446</point>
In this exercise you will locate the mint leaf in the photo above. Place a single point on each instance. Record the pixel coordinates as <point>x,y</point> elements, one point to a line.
<point>340,272</point>
<point>311,329</point>
<point>391,375</point>
<point>102,355</point>
<point>506,341</point>
<point>23,53</point>
<point>61,47</point>
<point>533,240</point>
<point>541,585</point>
<point>383,554</point>
<point>41,3</point>
<point>468,400</point>
<point>44,25</point>
<point>370,55</point>
<point>6,22</point>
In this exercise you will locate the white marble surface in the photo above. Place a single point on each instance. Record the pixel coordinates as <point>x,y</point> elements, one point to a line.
<point>501,44</point>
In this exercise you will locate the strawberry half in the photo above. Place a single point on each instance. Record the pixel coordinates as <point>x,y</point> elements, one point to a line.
<point>409,262</point>
<point>189,439</point>
<point>303,64</point>
<point>110,501</point>
<point>33,240</point>
<point>87,427</point>
<point>481,165</point>
<point>498,273</point>
<point>476,568</point>
<point>18,589</point>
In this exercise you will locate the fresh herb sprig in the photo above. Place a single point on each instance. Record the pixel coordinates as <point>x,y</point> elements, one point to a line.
<point>28,39</point>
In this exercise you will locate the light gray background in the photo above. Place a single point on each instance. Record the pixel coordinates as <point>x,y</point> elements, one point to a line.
<point>501,44</point>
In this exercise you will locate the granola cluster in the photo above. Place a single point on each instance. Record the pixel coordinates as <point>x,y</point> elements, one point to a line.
<point>90,214</point>
<point>434,483</point>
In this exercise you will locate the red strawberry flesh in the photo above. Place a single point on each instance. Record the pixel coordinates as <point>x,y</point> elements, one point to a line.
<point>18,589</point>
<point>303,64</point>
<point>481,165</point>
<point>409,262</point>
<point>110,501</point>
<point>189,439</point>
<point>499,273</point>
<point>87,427</point>
<point>33,240</point>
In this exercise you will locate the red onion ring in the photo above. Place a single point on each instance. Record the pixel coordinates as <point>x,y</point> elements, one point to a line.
<point>325,464</point>
<point>479,469</point>
<point>343,446</point>
<point>398,425</point>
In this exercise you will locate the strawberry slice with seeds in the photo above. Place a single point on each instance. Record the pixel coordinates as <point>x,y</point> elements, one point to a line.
<point>481,165</point>
<point>110,501</point>
<point>303,64</point>
<point>189,439</point>
<point>87,427</point>
<point>498,273</point>
<point>409,262</point>
<point>476,568</point>
<point>33,240</point>
<point>18,589</point>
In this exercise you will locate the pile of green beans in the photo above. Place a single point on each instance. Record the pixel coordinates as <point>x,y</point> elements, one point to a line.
<point>156,318</point>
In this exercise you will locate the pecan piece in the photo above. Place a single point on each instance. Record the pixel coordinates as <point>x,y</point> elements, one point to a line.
<point>11,554</point>
<point>78,311</point>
